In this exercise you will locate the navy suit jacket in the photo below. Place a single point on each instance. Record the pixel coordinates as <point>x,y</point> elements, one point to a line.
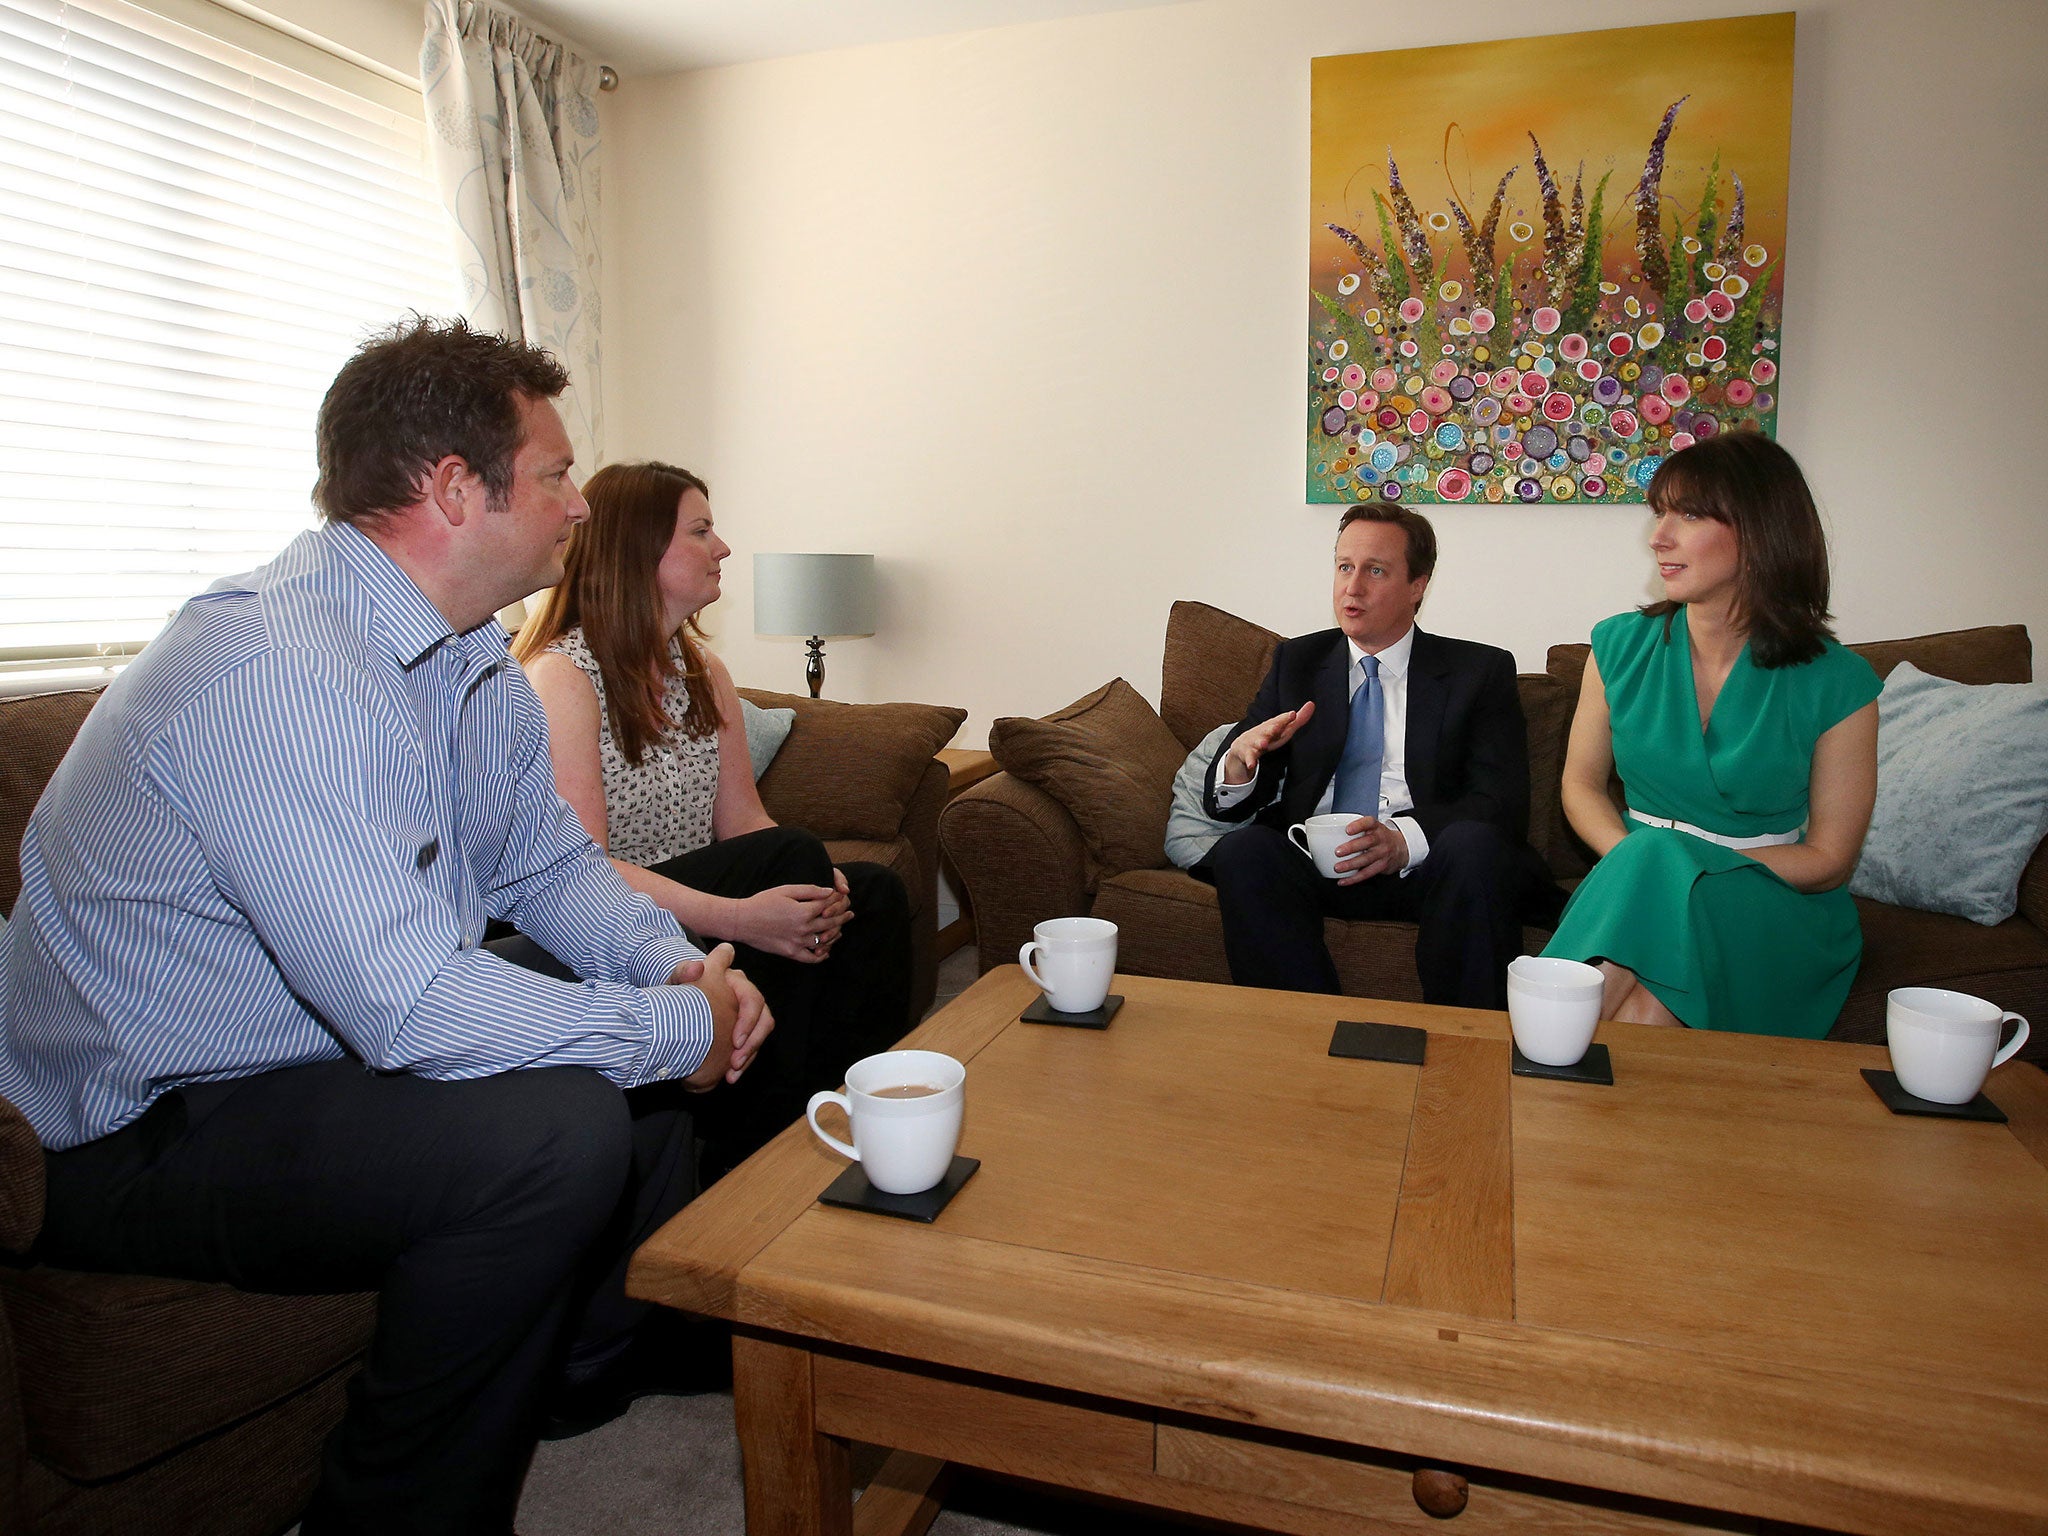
<point>1467,746</point>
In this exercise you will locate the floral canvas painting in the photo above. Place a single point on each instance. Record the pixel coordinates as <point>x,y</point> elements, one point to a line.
<point>1539,265</point>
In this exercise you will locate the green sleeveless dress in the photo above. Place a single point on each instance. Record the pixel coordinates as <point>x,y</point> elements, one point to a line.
<point>1720,940</point>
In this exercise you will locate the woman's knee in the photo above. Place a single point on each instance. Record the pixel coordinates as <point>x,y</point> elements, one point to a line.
<point>793,856</point>
<point>877,892</point>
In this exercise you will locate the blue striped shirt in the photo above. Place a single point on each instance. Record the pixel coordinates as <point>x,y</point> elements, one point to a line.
<point>277,840</point>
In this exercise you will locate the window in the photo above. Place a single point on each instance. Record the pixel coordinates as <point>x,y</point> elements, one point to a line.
<point>193,237</point>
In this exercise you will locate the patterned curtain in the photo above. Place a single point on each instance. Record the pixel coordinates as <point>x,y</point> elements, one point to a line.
<point>513,120</point>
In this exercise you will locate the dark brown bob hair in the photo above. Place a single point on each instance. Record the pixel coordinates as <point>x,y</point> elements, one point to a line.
<point>1745,480</point>
<point>415,393</point>
<point>609,588</point>
<point>1421,536</point>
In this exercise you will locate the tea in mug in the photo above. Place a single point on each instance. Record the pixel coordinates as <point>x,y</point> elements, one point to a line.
<point>906,1091</point>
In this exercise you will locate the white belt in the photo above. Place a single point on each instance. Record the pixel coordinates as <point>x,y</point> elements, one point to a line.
<point>1766,840</point>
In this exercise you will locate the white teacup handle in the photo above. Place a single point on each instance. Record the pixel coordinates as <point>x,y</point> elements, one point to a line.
<point>818,1100</point>
<point>1300,842</point>
<point>2019,1039</point>
<point>1024,960</point>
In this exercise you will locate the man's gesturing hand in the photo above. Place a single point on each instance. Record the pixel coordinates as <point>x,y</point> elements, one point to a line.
<point>1241,762</point>
<point>739,1018</point>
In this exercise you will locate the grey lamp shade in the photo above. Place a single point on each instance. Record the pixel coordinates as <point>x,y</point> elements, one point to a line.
<point>814,595</point>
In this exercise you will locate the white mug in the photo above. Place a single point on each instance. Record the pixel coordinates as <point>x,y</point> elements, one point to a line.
<point>1944,1044</point>
<point>1554,1007</point>
<point>1321,837</point>
<point>1075,958</point>
<point>905,1140</point>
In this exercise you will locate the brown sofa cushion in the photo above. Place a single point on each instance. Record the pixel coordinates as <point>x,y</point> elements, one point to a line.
<point>1214,664</point>
<point>37,731</point>
<point>116,1369</point>
<point>1995,653</point>
<point>849,770</point>
<point>1109,760</point>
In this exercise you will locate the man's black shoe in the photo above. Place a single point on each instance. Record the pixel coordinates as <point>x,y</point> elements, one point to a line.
<point>670,1356</point>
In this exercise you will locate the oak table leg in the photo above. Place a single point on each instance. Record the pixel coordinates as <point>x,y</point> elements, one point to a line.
<point>797,1480</point>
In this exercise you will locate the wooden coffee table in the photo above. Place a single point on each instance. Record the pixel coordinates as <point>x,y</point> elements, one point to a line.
<point>1208,1267</point>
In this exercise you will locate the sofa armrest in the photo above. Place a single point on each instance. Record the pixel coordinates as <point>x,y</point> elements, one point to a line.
<point>921,831</point>
<point>2034,888</point>
<point>1020,856</point>
<point>21,1218</point>
<point>21,1181</point>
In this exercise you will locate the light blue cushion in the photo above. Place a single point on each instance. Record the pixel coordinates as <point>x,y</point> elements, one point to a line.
<point>1190,834</point>
<point>767,729</point>
<point>1962,794</point>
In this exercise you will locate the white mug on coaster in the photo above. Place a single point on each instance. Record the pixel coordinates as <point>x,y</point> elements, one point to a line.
<point>1554,1007</point>
<point>1321,837</point>
<point>1944,1044</point>
<point>905,1109</point>
<point>1076,956</point>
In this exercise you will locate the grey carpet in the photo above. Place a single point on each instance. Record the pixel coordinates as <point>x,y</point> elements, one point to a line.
<point>672,1466</point>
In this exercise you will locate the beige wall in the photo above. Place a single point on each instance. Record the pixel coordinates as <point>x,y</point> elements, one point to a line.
<point>1021,312</point>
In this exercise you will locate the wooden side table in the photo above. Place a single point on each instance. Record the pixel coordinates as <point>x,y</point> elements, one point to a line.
<point>965,766</point>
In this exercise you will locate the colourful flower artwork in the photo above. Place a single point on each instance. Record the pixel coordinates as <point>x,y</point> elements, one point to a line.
<point>1539,265</point>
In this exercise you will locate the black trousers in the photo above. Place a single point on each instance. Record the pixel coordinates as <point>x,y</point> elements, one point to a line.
<point>1467,898</point>
<point>494,1217</point>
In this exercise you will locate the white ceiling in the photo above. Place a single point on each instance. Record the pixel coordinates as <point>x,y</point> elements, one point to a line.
<point>658,37</point>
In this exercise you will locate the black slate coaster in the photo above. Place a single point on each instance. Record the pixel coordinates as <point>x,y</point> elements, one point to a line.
<point>1593,1067</point>
<point>1400,1043</point>
<point>1042,1012</point>
<point>852,1190</point>
<point>1886,1086</point>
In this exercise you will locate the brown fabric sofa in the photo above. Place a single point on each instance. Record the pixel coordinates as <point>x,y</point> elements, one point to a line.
<point>129,1403</point>
<point>1024,856</point>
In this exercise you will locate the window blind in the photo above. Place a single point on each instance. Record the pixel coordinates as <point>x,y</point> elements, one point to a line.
<point>193,237</point>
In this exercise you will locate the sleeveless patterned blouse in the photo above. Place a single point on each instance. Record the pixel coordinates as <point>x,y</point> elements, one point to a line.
<point>661,809</point>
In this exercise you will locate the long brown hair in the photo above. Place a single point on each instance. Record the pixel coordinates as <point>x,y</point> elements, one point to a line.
<point>609,588</point>
<point>1747,481</point>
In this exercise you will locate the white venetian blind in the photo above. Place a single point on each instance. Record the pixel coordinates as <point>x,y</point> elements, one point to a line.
<point>193,237</point>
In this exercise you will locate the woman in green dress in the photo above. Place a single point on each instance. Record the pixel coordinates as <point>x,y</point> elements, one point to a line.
<point>1746,739</point>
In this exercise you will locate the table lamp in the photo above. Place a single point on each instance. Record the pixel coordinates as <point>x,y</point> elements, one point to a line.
<point>815,596</point>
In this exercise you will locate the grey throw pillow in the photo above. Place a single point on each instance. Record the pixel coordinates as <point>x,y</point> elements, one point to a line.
<point>1962,794</point>
<point>1190,833</point>
<point>767,729</point>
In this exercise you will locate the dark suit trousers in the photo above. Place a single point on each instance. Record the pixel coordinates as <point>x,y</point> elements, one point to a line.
<point>487,1214</point>
<point>1463,897</point>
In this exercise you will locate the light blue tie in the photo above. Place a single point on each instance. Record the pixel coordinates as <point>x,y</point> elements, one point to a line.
<point>1358,773</point>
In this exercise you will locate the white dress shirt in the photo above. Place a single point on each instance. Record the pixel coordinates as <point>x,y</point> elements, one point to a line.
<point>1395,796</point>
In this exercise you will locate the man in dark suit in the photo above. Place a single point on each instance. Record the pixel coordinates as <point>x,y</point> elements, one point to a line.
<point>1421,740</point>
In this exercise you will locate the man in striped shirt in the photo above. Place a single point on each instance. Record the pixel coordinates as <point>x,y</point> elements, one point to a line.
<point>244,1000</point>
